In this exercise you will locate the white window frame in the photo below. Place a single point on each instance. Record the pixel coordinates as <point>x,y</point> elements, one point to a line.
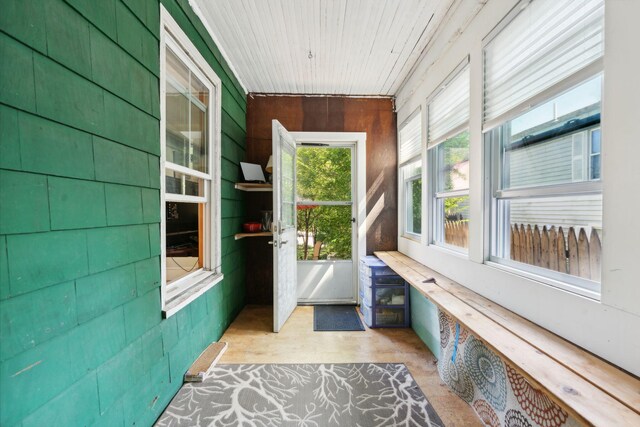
<point>186,289</point>
<point>408,200</point>
<point>436,220</point>
<point>403,182</point>
<point>436,160</point>
<point>492,136</point>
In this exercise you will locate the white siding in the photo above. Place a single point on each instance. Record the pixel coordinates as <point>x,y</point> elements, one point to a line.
<point>541,164</point>
<point>575,211</point>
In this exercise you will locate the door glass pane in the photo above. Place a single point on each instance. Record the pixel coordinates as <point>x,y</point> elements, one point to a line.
<point>324,174</point>
<point>324,232</point>
<point>187,101</point>
<point>183,248</point>
<point>287,186</point>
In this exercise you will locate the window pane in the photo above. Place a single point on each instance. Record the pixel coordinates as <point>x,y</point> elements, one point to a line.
<point>594,167</point>
<point>324,174</point>
<point>552,144</point>
<point>324,232</point>
<point>177,140</point>
<point>413,189</point>
<point>177,70</point>
<point>412,177</point>
<point>183,237</point>
<point>178,183</point>
<point>557,233</point>
<point>595,141</point>
<point>198,139</point>
<point>453,164</point>
<point>453,221</point>
<point>187,101</point>
<point>579,102</point>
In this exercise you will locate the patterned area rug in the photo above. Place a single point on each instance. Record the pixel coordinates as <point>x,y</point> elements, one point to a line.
<point>303,395</point>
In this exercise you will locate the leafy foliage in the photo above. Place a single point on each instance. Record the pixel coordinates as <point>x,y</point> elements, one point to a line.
<point>455,151</point>
<point>416,205</point>
<point>324,174</point>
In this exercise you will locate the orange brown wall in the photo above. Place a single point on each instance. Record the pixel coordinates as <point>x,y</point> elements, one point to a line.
<point>375,116</point>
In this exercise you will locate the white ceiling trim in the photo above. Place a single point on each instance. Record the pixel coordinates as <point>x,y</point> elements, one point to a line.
<point>199,14</point>
<point>329,47</point>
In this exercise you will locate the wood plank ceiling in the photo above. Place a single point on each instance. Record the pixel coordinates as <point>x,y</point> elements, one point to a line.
<point>339,47</point>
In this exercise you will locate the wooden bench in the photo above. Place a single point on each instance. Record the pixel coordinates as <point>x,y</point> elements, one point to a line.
<point>588,388</point>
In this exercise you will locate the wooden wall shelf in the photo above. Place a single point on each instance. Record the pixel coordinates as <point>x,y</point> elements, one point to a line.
<point>260,234</point>
<point>248,186</point>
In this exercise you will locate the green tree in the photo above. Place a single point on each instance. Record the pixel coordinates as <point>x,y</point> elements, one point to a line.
<point>324,174</point>
<point>416,198</point>
<point>456,151</point>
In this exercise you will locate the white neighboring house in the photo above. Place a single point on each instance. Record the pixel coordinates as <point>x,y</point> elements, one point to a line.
<point>533,159</point>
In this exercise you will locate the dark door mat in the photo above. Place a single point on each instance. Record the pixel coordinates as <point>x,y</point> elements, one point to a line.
<point>336,318</point>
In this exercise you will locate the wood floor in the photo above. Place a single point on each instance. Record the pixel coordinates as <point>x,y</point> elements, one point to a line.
<point>251,341</point>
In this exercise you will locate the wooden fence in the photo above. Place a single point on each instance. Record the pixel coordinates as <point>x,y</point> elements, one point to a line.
<point>573,253</point>
<point>456,233</point>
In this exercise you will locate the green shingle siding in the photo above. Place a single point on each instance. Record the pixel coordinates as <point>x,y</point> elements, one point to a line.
<point>82,338</point>
<point>48,147</point>
<point>24,201</point>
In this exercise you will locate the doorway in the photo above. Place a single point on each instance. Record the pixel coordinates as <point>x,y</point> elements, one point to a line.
<point>330,216</point>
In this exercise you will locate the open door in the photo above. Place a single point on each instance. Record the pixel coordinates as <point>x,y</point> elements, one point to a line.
<point>284,226</point>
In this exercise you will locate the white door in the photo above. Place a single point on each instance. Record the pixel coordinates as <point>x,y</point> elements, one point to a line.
<point>284,226</point>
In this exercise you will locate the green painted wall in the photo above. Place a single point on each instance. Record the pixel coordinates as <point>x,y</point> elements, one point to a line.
<point>82,340</point>
<point>424,321</point>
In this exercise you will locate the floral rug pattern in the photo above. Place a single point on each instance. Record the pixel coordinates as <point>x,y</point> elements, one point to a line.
<point>498,393</point>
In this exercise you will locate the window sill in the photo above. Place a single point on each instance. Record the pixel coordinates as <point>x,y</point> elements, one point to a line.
<point>458,251</point>
<point>583,291</point>
<point>412,236</point>
<point>188,292</point>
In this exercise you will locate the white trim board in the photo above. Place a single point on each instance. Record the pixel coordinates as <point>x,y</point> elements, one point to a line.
<point>360,199</point>
<point>196,9</point>
<point>192,286</point>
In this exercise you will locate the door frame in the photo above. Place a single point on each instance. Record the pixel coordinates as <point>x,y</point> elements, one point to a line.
<point>360,180</point>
